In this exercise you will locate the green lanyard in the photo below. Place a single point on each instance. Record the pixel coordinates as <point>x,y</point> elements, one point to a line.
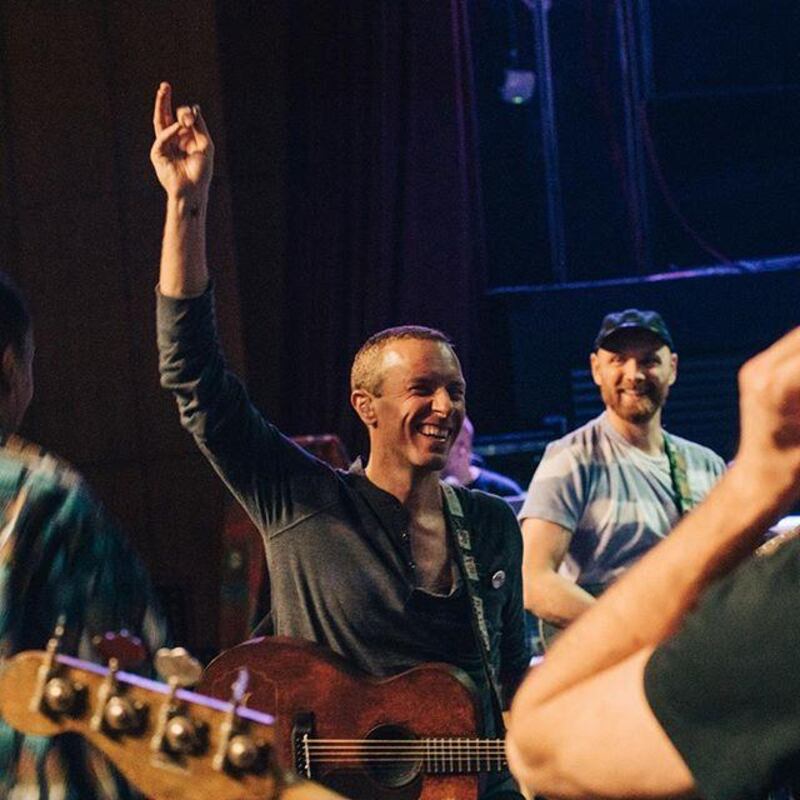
<point>678,476</point>
<point>469,572</point>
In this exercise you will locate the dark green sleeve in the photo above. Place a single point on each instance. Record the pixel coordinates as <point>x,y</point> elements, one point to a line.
<point>726,687</point>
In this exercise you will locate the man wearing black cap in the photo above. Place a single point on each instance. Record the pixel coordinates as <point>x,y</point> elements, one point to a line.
<point>683,679</point>
<point>607,492</point>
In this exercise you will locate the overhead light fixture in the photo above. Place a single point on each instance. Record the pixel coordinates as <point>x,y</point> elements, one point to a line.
<point>518,86</point>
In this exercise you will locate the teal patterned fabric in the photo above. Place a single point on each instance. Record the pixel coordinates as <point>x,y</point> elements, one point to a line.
<point>60,556</point>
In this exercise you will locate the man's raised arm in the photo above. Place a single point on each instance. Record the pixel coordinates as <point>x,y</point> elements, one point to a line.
<point>581,724</point>
<point>183,157</point>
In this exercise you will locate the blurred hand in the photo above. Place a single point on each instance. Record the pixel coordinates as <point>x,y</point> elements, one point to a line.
<point>769,400</point>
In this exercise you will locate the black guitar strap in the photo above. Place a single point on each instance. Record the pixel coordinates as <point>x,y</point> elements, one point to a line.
<point>469,573</point>
<point>677,473</point>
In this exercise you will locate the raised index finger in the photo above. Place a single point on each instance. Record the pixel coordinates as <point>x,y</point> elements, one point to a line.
<point>162,113</point>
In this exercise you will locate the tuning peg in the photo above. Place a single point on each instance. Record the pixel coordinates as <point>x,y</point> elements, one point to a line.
<point>124,648</point>
<point>176,732</point>
<point>237,749</point>
<point>122,715</point>
<point>243,752</point>
<point>61,695</point>
<point>177,667</point>
<point>54,643</point>
<point>114,712</point>
<point>239,686</point>
<point>58,631</point>
<point>55,694</point>
<point>182,735</point>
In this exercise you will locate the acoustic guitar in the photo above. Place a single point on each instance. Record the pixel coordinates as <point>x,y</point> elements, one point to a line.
<point>407,737</point>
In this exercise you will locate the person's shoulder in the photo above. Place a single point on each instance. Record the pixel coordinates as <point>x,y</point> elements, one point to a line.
<point>478,503</point>
<point>582,438</point>
<point>574,450</point>
<point>495,483</point>
<point>38,467</point>
<point>698,453</point>
<point>492,522</point>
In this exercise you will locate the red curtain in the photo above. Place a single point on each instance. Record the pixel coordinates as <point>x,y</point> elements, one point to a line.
<point>352,149</point>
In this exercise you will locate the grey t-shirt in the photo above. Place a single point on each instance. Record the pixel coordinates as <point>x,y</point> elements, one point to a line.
<point>617,500</point>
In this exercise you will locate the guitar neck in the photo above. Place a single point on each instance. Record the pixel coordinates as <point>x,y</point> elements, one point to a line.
<point>434,756</point>
<point>460,756</point>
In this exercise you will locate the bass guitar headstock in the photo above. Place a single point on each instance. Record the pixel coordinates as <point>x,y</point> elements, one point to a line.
<point>167,741</point>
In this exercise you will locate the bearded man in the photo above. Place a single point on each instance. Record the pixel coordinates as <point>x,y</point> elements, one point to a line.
<point>607,492</point>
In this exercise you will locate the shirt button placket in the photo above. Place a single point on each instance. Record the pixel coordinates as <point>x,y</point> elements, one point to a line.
<point>407,542</point>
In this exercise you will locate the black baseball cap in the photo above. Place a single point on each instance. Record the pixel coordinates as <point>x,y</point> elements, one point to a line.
<point>633,319</point>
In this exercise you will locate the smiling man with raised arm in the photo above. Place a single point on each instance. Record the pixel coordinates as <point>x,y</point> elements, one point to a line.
<point>364,560</point>
<point>654,692</point>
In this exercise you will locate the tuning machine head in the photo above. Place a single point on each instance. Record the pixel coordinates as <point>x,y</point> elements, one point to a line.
<point>177,733</point>
<point>56,694</point>
<point>243,752</point>
<point>114,712</point>
<point>238,750</point>
<point>122,715</point>
<point>184,736</point>
<point>177,667</point>
<point>62,696</point>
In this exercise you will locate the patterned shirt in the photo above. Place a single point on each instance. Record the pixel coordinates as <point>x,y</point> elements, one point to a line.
<point>617,500</point>
<point>60,555</point>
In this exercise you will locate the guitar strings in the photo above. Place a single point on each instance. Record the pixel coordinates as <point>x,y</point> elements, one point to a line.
<point>389,744</point>
<point>452,752</point>
<point>407,743</point>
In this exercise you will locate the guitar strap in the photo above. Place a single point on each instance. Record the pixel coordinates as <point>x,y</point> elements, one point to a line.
<point>469,573</point>
<point>678,476</point>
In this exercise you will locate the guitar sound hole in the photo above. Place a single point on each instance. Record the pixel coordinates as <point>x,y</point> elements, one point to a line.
<point>391,756</point>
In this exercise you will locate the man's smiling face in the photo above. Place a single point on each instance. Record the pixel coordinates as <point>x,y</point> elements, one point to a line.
<point>419,404</point>
<point>634,370</point>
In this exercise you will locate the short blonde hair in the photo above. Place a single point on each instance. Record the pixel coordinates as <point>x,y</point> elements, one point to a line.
<point>365,373</point>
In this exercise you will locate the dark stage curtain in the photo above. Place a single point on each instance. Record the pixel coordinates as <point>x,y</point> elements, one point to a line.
<point>368,110</point>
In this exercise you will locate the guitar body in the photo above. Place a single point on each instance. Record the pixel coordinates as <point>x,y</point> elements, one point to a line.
<point>311,690</point>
